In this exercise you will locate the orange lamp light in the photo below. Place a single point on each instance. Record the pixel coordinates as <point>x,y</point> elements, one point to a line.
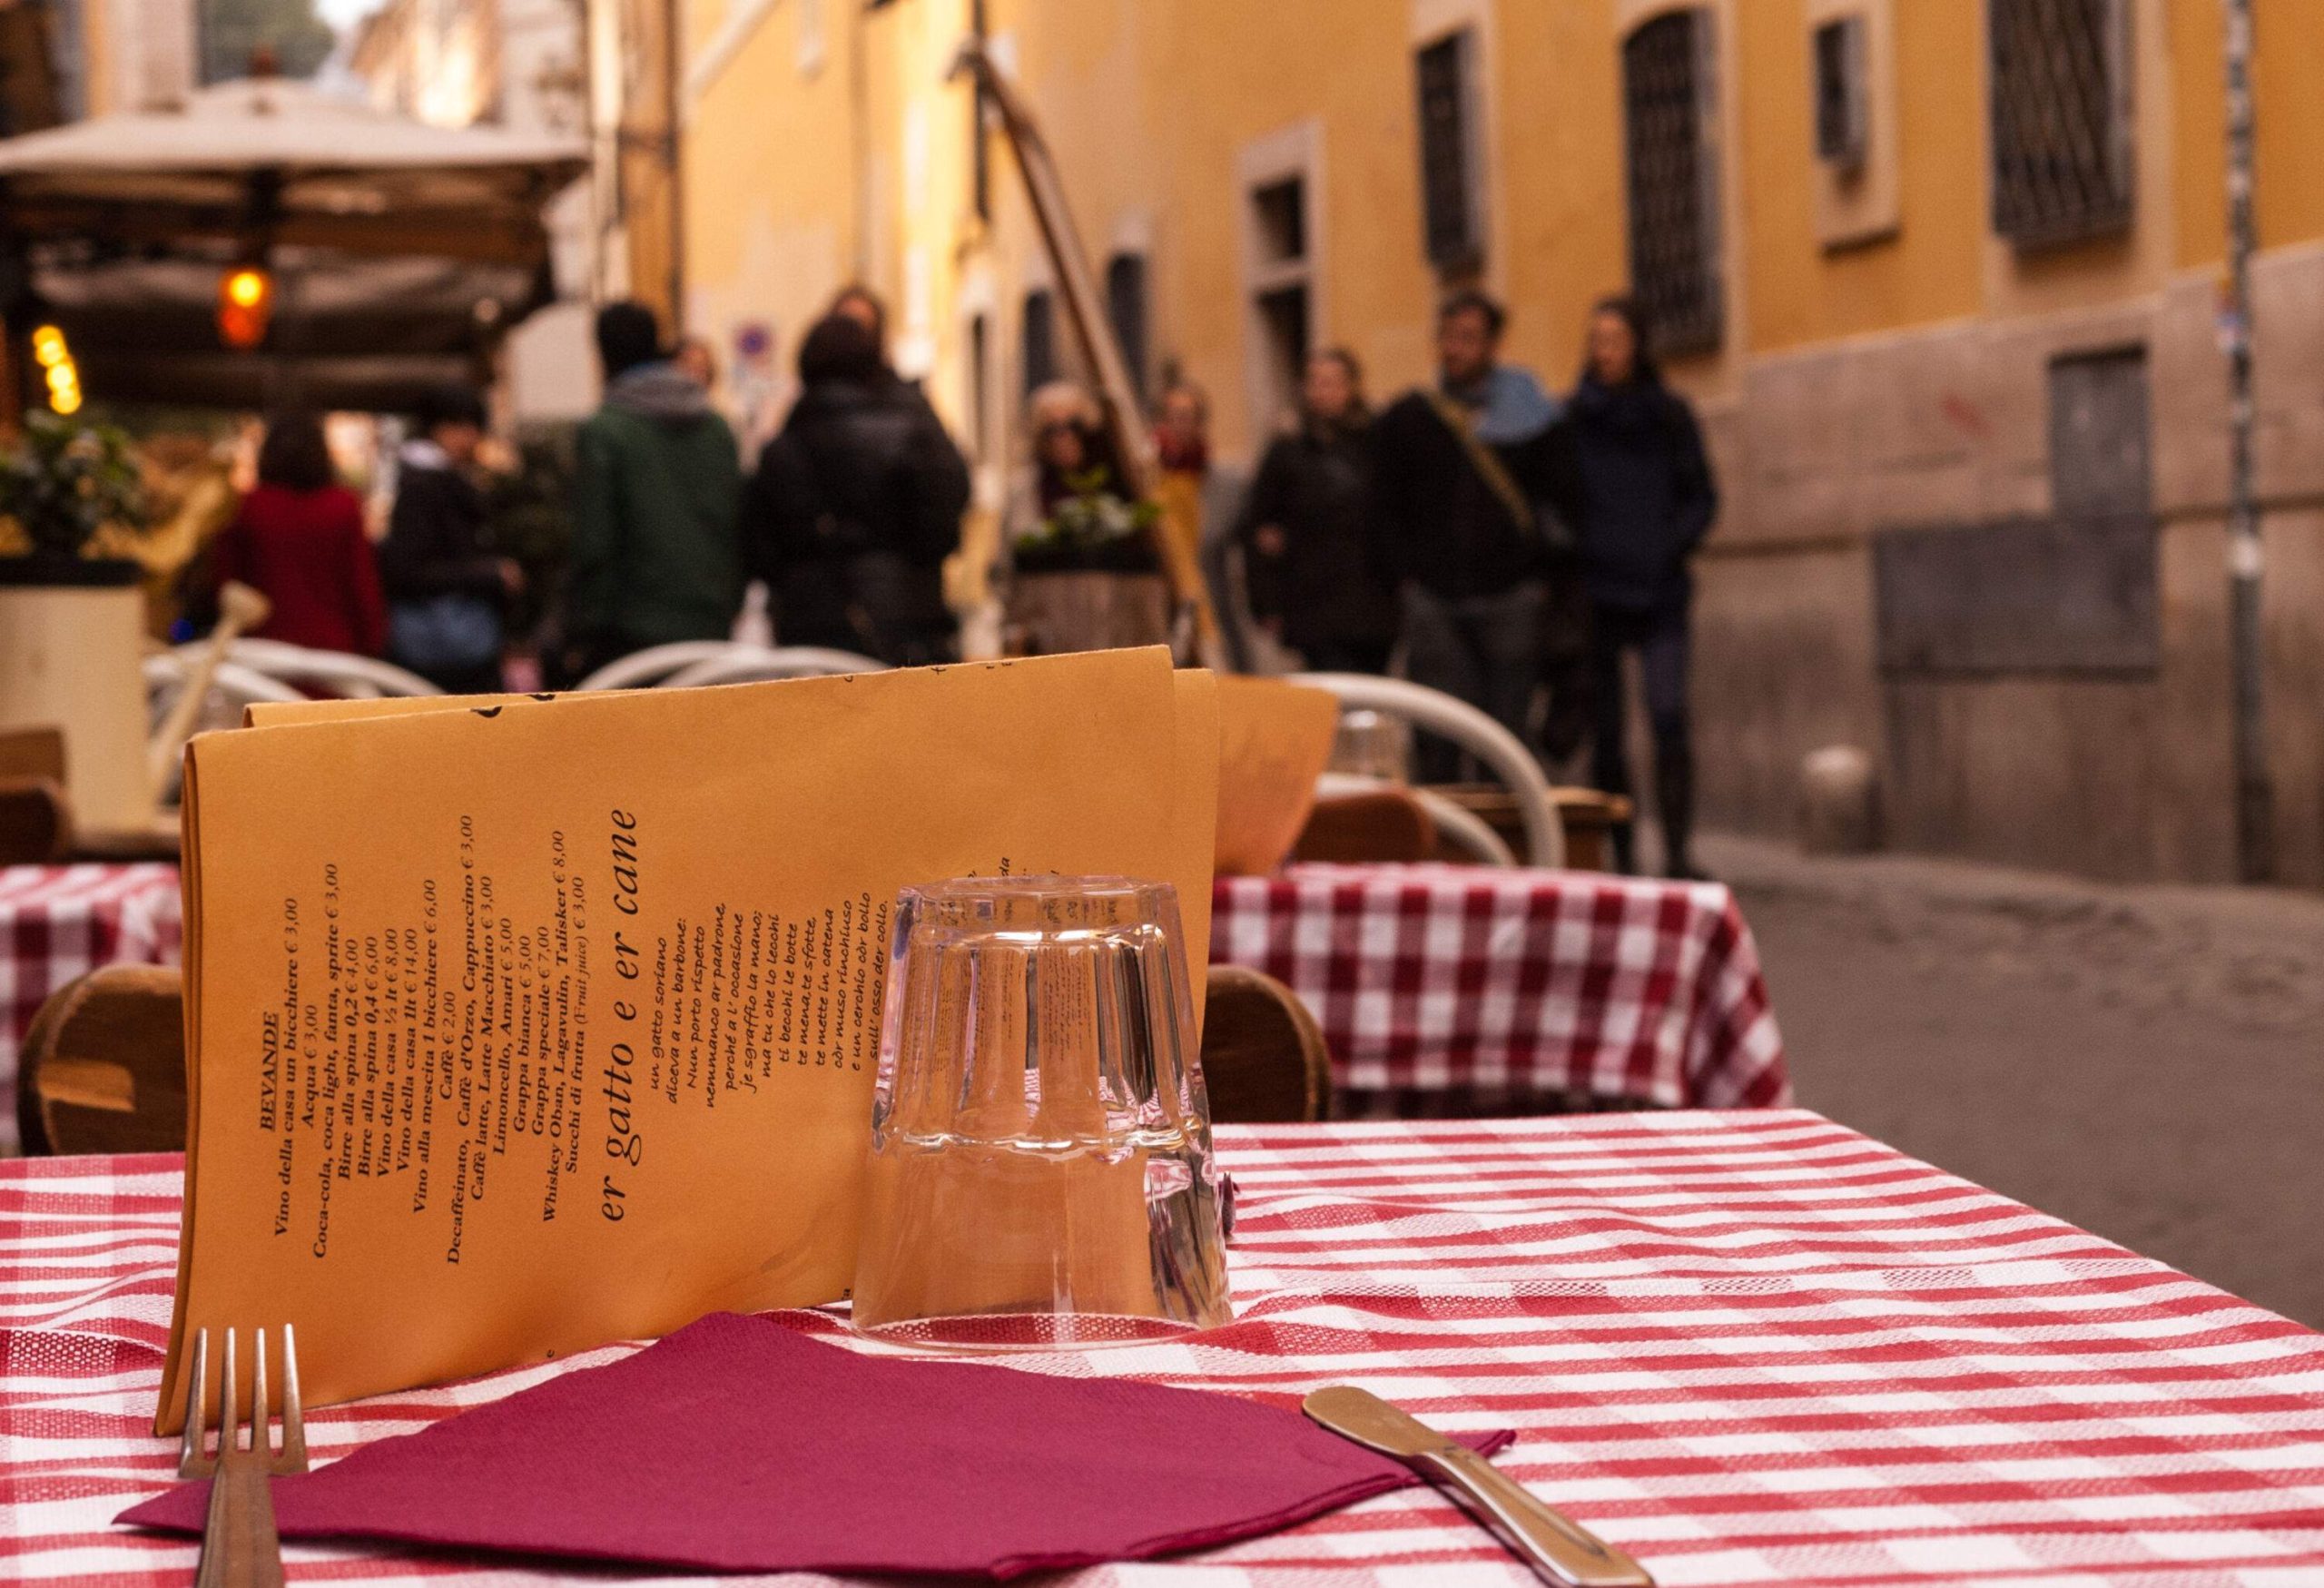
<point>245,303</point>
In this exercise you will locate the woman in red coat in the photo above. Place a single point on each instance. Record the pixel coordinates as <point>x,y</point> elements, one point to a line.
<point>299,539</point>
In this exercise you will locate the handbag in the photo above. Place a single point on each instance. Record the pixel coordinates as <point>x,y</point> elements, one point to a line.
<point>445,633</point>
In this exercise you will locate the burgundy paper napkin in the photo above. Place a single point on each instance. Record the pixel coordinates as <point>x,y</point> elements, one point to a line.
<point>739,1444</point>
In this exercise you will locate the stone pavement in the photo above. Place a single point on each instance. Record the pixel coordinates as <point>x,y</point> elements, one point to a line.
<point>2147,1062</point>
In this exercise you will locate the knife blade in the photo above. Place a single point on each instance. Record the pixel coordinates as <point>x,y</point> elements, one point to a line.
<point>1558,1549</point>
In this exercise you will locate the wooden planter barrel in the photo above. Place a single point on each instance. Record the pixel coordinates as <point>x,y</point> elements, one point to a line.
<point>1053,613</point>
<point>69,658</point>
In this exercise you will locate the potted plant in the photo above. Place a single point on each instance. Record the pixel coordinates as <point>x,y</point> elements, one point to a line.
<point>71,623</point>
<point>1091,530</point>
<point>1087,575</point>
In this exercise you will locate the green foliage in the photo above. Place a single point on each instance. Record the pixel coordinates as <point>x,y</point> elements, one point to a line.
<point>66,480</point>
<point>1091,529</point>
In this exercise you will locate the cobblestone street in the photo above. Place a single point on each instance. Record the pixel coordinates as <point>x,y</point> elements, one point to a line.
<point>2147,1062</point>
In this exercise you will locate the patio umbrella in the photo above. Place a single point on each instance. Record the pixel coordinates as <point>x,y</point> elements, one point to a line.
<point>401,252</point>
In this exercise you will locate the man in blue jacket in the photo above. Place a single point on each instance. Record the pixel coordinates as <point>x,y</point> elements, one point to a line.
<point>1462,471</point>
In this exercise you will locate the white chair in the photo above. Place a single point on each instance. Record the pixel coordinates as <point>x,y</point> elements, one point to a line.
<point>656,663</point>
<point>345,674</point>
<point>1473,732</point>
<point>754,665</point>
<point>231,687</point>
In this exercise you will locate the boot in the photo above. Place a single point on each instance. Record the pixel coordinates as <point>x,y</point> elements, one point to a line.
<point>1674,802</point>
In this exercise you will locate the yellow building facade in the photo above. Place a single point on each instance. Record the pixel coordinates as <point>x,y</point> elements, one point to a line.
<point>1943,275</point>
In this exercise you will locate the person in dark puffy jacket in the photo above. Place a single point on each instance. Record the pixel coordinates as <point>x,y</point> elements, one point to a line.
<point>856,504</point>
<point>1305,530</point>
<point>1643,500</point>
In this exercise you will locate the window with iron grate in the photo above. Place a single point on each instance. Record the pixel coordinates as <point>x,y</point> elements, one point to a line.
<point>1452,225</point>
<point>1669,106</point>
<point>2061,114</point>
<point>1126,309</point>
<point>1842,95</point>
<point>1037,337</point>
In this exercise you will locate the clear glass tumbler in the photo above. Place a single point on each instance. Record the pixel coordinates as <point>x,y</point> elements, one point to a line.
<point>1042,1172</point>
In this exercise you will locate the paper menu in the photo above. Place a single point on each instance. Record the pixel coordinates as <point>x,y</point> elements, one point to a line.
<point>519,1027</point>
<point>1275,740</point>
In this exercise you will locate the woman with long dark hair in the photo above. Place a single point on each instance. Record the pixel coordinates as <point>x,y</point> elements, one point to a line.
<point>297,539</point>
<point>1643,501</point>
<point>1305,529</point>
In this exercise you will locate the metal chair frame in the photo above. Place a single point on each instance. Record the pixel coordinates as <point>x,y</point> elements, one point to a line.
<point>1476,732</point>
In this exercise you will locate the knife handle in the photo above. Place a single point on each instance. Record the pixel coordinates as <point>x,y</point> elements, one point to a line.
<point>1559,1550</point>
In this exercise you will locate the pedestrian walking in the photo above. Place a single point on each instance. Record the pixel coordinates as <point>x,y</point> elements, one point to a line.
<point>1643,501</point>
<point>855,505</point>
<point>1462,474</point>
<point>1182,433</point>
<point>698,361</point>
<point>656,556</point>
<point>1305,529</point>
<point>1070,507</point>
<point>297,539</point>
<point>447,587</point>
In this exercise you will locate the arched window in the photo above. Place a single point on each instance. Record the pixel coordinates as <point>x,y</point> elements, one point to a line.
<point>1038,336</point>
<point>1126,309</point>
<point>1670,107</point>
<point>2060,72</point>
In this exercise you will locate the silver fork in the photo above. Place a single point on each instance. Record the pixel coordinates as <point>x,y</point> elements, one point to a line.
<point>239,1546</point>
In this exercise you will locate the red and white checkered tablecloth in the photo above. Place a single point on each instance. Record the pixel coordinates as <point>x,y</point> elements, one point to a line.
<point>58,923</point>
<point>1751,1347</point>
<point>1453,982</point>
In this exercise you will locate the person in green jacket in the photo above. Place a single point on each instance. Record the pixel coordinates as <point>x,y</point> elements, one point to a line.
<point>656,555</point>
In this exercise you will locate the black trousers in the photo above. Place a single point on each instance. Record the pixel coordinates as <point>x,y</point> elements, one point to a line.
<point>1483,649</point>
<point>1660,636</point>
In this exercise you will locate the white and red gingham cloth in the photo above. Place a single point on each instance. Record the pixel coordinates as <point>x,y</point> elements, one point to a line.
<point>59,923</point>
<point>1442,984</point>
<point>1751,1347</point>
<point>1434,985</point>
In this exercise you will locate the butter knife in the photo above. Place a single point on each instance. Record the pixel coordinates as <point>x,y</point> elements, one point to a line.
<point>1558,1549</point>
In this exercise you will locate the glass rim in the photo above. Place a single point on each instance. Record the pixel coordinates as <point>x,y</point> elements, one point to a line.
<point>1034,885</point>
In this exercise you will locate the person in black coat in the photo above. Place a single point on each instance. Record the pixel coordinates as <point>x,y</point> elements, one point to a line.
<point>856,504</point>
<point>1463,473</point>
<point>1642,501</point>
<point>448,589</point>
<point>1305,530</point>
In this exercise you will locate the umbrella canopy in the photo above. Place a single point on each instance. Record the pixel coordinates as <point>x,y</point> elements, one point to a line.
<point>401,251</point>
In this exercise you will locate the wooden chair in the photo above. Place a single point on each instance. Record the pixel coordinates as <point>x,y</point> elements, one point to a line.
<point>35,821</point>
<point>1262,1057</point>
<point>1387,825</point>
<point>33,753</point>
<point>103,1069</point>
<point>1587,817</point>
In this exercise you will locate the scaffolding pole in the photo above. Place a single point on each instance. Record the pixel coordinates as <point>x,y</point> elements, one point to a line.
<point>2254,787</point>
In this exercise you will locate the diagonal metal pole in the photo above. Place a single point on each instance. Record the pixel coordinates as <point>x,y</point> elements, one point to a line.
<point>2254,788</point>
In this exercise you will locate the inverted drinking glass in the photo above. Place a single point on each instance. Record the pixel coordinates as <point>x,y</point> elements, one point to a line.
<point>1042,1172</point>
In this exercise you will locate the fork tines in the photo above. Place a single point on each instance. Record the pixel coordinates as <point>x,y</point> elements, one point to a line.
<point>197,1457</point>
